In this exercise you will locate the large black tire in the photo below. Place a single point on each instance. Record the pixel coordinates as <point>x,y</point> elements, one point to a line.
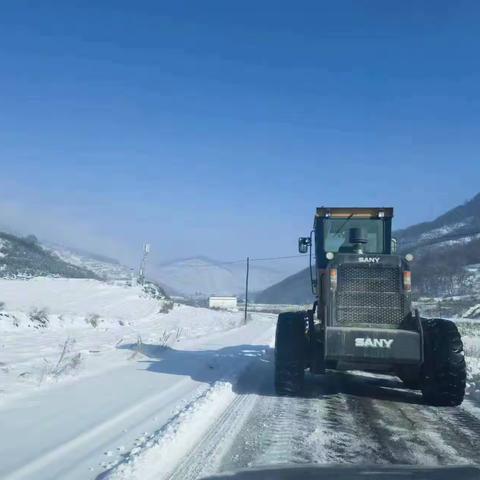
<point>444,370</point>
<point>290,352</point>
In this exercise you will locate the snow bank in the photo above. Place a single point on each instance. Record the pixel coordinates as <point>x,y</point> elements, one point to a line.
<point>471,341</point>
<point>473,378</point>
<point>162,451</point>
<point>472,312</point>
<point>472,352</point>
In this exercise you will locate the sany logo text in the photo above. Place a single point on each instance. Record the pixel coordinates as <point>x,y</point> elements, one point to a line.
<point>369,259</point>
<point>373,342</point>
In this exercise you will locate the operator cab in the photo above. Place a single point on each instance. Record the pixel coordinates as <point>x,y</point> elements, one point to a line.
<point>350,230</point>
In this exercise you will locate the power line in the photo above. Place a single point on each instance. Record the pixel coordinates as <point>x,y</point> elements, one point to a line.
<point>231,262</point>
<point>201,265</point>
<point>276,258</point>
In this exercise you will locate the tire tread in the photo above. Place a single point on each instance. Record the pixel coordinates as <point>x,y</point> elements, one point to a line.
<point>290,353</point>
<point>444,371</point>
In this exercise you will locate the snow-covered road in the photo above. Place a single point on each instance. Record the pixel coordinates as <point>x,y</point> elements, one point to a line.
<point>343,417</point>
<point>183,394</point>
<point>77,430</point>
<point>208,405</point>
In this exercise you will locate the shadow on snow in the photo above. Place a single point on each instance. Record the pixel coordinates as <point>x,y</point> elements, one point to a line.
<point>256,362</point>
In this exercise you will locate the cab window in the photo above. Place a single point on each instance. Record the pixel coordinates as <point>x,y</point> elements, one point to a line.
<point>336,234</point>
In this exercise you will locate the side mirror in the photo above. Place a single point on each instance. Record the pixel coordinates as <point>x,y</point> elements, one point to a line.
<point>303,244</point>
<point>394,245</point>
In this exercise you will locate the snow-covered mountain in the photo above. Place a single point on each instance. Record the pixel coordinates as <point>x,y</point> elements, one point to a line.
<point>104,267</point>
<point>203,276</point>
<point>447,252</point>
<point>25,257</point>
<point>457,227</point>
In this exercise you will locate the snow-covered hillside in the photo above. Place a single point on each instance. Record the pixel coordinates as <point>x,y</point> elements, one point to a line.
<point>460,224</point>
<point>446,251</point>
<point>204,276</point>
<point>25,257</point>
<point>105,267</point>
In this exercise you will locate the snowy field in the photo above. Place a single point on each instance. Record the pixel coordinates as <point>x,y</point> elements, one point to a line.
<point>106,381</point>
<point>56,330</point>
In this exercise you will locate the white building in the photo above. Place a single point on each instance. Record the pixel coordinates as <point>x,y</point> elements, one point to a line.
<point>225,303</point>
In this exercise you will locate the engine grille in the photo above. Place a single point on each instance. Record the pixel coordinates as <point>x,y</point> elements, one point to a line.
<point>369,295</point>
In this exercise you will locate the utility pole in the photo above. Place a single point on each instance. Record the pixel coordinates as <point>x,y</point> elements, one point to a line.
<point>141,272</point>
<point>246,289</point>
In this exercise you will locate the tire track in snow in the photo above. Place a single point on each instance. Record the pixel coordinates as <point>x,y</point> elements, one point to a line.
<point>343,417</point>
<point>204,458</point>
<point>469,416</point>
<point>187,446</point>
<point>341,435</point>
<point>406,438</point>
<point>271,435</point>
<point>348,418</point>
<point>377,402</point>
<point>458,429</point>
<point>411,432</point>
<point>164,450</point>
<point>383,446</point>
<point>320,427</point>
<point>428,434</point>
<point>288,422</point>
<point>257,422</point>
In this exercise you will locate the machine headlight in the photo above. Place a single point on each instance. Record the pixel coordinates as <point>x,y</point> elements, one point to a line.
<point>333,279</point>
<point>407,281</point>
<point>330,255</point>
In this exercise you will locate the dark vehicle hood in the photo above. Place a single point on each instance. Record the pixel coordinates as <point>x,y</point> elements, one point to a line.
<point>353,472</point>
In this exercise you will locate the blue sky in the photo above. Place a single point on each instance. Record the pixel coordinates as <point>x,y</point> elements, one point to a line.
<point>217,127</point>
